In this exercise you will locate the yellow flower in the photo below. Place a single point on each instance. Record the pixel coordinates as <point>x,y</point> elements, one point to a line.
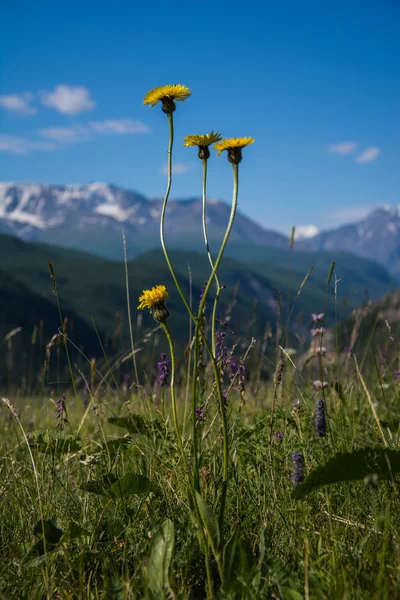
<point>154,300</point>
<point>202,140</point>
<point>234,147</point>
<point>167,94</point>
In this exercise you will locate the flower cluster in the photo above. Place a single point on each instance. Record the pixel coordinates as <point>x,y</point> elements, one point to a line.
<point>298,468</point>
<point>61,412</point>
<point>200,415</point>
<point>222,349</point>
<point>317,331</point>
<point>318,318</point>
<point>320,418</point>
<point>162,367</point>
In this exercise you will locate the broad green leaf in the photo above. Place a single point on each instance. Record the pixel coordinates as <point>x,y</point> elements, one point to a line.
<point>160,561</point>
<point>238,565</point>
<point>210,523</point>
<point>52,536</point>
<point>351,466</point>
<point>54,442</point>
<point>99,486</point>
<point>132,484</point>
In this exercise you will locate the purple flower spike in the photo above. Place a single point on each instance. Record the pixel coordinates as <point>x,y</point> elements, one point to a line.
<point>298,468</point>
<point>320,418</point>
<point>279,436</point>
<point>220,345</point>
<point>162,370</point>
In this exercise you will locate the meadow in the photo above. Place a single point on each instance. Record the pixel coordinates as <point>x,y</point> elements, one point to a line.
<point>233,468</point>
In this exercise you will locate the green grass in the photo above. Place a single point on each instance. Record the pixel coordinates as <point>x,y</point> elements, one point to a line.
<point>340,541</point>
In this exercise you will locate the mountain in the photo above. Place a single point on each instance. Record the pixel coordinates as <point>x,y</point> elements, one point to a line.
<point>91,218</point>
<point>28,322</point>
<point>376,237</point>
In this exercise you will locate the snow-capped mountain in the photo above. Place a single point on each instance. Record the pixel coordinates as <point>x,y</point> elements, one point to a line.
<point>92,216</point>
<point>376,237</point>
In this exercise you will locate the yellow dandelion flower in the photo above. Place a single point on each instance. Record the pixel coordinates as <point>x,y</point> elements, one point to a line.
<point>167,94</point>
<point>234,147</point>
<point>202,142</point>
<point>154,300</point>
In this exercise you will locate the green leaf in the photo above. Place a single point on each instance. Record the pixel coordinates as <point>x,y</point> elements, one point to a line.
<point>132,484</point>
<point>100,486</point>
<point>238,564</point>
<point>351,466</point>
<point>160,561</point>
<point>52,533</point>
<point>210,523</point>
<point>52,536</point>
<point>54,442</point>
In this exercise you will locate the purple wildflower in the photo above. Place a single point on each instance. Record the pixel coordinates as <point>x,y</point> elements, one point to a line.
<point>396,374</point>
<point>162,370</point>
<point>61,412</point>
<point>317,331</point>
<point>317,318</point>
<point>347,352</point>
<point>320,418</point>
<point>318,385</point>
<point>203,290</point>
<point>298,468</point>
<point>384,354</point>
<point>220,345</point>
<point>225,397</point>
<point>200,414</point>
<point>232,366</point>
<point>279,436</point>
<point>241,373</point>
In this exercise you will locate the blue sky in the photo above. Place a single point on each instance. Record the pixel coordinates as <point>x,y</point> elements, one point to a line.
<point>316,84</point>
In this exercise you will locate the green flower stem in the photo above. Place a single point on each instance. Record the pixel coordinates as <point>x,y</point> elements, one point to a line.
<point>219,288</point>
<point>184,459</point>
<point>178,287</point>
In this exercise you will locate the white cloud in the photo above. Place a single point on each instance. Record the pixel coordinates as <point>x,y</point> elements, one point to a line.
<point>18,103</point>
<point>65,135</point>
<point>68,100</point>
<point>19,145</point>
<point>177,169</point>
<point>343,147</point>
<point>119,126</point>
<point>306,231</point>
<point>368,155</point>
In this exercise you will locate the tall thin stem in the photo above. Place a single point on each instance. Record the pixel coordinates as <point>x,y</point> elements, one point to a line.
<point>184,459</point>
<point>202,302</point>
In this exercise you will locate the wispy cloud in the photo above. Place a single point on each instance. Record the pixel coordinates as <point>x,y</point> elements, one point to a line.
<point>343,147</point>
<point>58,137</point>
<point>177,169</point>
<point>68,100</point>
<point>119,126</point>
<point>348,214</point>
<point>368,155</point>
<point>20,145</point>
<point>18,104</point>
<point>65,135</point>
